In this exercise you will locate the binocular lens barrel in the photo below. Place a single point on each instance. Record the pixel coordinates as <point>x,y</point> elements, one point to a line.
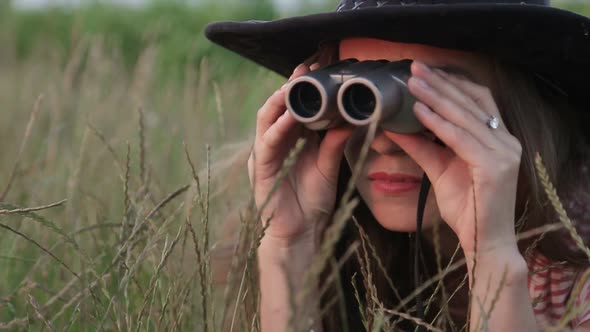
<point>305,99</point>
<point>359,101</point>
<point>355,92</point>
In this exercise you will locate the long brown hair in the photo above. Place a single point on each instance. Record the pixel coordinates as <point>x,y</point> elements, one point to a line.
<point>545,122</point>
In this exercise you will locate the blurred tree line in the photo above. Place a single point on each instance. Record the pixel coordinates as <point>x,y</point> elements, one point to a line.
<point>174,26</point>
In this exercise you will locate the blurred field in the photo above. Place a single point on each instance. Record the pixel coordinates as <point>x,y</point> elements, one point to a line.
<point>97,106</point>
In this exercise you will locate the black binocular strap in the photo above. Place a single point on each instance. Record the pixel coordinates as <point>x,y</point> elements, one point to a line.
<point>424,189</point>
<point>418,249</point>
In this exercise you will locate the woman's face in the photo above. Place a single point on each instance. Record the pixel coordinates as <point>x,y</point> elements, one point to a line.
<point>393,203</point>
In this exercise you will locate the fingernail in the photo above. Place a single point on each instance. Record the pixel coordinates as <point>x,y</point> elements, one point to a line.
<point>422,83</point>
<point>422,66</point>
<point>298,67</point>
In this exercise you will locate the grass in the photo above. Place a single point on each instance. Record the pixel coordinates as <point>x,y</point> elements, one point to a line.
<point>121,253</point>
<point>115,180</point>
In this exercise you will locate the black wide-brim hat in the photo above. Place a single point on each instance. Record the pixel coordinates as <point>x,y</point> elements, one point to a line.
<point>550,42</point>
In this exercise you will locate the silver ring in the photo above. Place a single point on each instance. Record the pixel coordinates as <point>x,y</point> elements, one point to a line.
<point>493,122</point>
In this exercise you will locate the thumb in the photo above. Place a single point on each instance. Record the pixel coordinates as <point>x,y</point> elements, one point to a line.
<point>331,151</point>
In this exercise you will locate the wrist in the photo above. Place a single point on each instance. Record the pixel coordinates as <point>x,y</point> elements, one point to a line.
<point>499,261</point>
<point>280,250</point>
<point>500,238</point>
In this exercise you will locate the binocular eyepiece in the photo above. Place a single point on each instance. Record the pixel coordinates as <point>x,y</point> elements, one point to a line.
<point>355,92</point>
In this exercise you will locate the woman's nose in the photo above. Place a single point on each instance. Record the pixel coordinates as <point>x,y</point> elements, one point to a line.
<point>383,145</point>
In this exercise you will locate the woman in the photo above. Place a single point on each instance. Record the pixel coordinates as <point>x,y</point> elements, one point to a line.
<point>495,94</point>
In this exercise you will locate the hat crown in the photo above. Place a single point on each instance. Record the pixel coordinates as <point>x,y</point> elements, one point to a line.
<point>346,5</point>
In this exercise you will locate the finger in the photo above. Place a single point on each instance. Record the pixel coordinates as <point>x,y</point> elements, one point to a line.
<point>447,85</point>
<point>456,138</point>
<point>481,95</point>
<point>331,151</point>
<point>484,98</point>
<point>454,113</point>
<point>278,131</point>
<point>430,156</point>
<point>251,166</point>
<point>437,79</point>
<point>314,66</point>
<point>274,107</point>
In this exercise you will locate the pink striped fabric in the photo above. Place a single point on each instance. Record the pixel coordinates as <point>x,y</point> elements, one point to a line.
<point>550,287</point>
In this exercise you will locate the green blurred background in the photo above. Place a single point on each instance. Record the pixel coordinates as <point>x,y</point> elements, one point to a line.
<point>176,26</point>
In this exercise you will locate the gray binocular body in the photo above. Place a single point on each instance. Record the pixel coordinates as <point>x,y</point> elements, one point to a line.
<point>355,92</point>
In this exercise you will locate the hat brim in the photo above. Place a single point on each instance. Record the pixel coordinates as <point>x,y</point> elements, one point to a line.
<point>552,42</point>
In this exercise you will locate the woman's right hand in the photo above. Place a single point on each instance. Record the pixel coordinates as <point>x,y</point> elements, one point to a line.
<point>307,195</point>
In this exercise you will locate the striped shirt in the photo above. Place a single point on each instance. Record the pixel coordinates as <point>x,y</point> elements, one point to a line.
<point>551,286</point>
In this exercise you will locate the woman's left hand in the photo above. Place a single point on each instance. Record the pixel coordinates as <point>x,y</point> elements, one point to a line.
<point>476,174</point>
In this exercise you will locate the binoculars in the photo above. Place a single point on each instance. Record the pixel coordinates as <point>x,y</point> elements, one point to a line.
<point>357,92</point>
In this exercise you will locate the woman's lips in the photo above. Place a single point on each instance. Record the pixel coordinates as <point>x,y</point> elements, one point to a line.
<point>394,183</point>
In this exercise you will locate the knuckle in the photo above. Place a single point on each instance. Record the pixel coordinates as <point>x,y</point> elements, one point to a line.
<point>517,148</point>
<point>507,165</point>
<point>260,115</point>
<point>483,92</point>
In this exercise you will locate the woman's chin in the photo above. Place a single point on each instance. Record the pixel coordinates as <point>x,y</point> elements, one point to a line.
<point>396,222</point>
<point>401,218</point>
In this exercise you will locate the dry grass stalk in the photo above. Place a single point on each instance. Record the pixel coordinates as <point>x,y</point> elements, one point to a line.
<point>362,309</point>
<point>126,213</point>
<point>169,198</point>
<point>475,253</point>
<point>180,312</point>
<point>195,176</point>
<point>142,147</point>
<point>440,285</point>
<point>27,135</point>
<point>165,255</point>
<point>202,249</point>
<point>79,297</point>
<point>539,231</point>
<point>555,201</point>
<point>413,319</point>
<point>32,209</point>
<point>27,212</point>
<point>374,254</point>
<point>39,313</point>
<point>205,269</point>
<point>334,279</point>
<point>36,244</point>
<point>132,269</point>
<point>109,148</point>
<point>570,310</point>
<point>494,299</point>
<point>371,297</point>
<point>73,207</point>
<point>164,308</point>
<point>333,232</point>
<point>14,324</point>
<point>73,318</point>
<point>451,296</point>
<point>219,109</point>
<point>283,172</point>
<point>483,316</point>
<point>60,294</point>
